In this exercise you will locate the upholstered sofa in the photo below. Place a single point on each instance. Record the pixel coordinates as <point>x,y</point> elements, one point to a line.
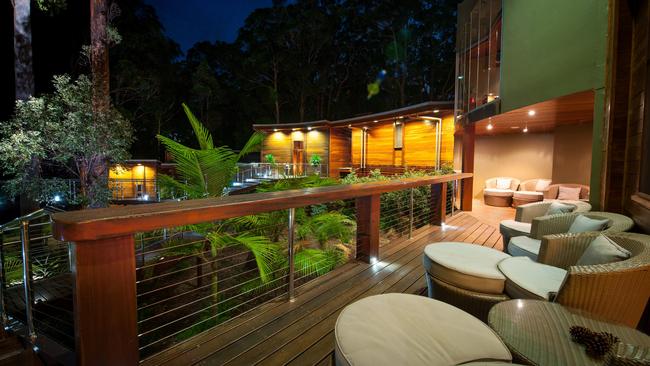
<point>498,191</point>
<point>553,191</point>
<point>529,245</point>
<point>478,279</point>
<point>529,191</point>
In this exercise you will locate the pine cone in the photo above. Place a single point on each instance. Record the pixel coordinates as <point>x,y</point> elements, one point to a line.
<point>579,334</point>
<point>599,344</point>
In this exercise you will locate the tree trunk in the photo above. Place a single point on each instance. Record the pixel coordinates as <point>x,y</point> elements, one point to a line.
<point>101,99</point>
<point>23,68</point>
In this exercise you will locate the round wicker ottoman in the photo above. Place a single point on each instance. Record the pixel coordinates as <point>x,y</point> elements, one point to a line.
<point>401,329</point>
<point>465,275</point>
<point>497,197</point>
<point>524,197</point>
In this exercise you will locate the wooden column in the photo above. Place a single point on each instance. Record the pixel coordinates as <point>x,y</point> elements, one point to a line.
<point>104,292</point>
<point>467,190</point>
<point>438,203</point>
<point>368,227</point>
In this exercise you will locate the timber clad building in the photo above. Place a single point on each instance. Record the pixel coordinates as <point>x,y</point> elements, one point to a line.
<point>418,137</point>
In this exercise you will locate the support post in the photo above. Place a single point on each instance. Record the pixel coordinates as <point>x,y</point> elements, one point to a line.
<point>411,213</point>
<point>438,203</point>
<point>467,184</point>
<point>368,228</point>
<point>3,285</point>
<point>292,260</point>
<point>27,282</point>
<point>104,292</point>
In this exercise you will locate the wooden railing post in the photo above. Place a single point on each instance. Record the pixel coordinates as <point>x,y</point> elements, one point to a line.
<point>104,293</point>
<point>438,203</point>
<point>368,227</point>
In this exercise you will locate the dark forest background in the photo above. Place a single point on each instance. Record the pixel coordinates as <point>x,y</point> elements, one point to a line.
<point>297,61</point>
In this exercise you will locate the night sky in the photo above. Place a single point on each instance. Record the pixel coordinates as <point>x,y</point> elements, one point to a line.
<point>190,21</point>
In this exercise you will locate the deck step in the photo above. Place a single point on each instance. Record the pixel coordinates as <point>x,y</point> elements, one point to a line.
<point>13,352</point>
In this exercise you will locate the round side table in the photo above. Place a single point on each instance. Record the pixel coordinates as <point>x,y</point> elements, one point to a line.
<point>537,332</point>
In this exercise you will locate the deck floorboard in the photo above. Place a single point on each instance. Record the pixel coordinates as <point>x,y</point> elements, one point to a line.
<point>302,332</point>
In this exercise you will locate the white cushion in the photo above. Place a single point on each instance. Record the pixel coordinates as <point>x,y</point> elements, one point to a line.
<point>524,246</point>
<point>568,193</point>
<point>503,183</point>
<point>468,266</point>
<point>542,184</point>
<point>517,226</point>
<point>498,192</point>
<point>526,279</point>
<point>529,195</point>
<point>603,250</point>
<point>401,329</point>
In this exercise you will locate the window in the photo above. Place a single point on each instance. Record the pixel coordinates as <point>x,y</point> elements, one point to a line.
<point>399,132</point>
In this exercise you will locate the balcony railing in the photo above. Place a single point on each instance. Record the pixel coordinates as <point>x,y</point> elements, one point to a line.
<point>150,276</point>
<point>253,172</point>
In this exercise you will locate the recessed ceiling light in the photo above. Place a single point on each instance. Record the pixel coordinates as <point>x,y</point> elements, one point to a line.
<point>531,112</point>
<point>275,130</point>
<point>375,121</point>
<point>309,128</point>
<point>436,110</point>
<point>349,126</point>
<point>514,127</point>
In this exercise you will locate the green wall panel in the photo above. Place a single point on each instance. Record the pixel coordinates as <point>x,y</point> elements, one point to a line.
<point>551,48</point>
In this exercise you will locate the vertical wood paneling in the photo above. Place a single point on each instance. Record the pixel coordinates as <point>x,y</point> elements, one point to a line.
<point>340,150</point>
<point>279,144</point>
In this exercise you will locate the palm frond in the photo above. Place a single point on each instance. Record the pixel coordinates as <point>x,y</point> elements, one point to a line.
<point>318,261</point>
<point>187,162</point>
<point>266,253</point>
<point>253,144</point>
<point>202,134</point>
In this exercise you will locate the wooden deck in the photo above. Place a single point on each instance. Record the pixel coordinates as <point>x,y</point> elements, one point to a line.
<point>302,332</point>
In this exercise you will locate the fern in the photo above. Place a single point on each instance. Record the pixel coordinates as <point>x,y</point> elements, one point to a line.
<point>266,253</point>
<point>318,261</point>
<point>327,226</point>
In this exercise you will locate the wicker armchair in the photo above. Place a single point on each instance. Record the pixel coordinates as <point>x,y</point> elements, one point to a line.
<point>559,224</point>
<point>527,212</point>
<point>617,291</point>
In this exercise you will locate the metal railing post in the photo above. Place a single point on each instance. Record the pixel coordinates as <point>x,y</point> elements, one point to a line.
<point>27,282</point>
<point>411,213</point>
<point>3,285</point>
<point>453,196</point>
<point>292,264</point>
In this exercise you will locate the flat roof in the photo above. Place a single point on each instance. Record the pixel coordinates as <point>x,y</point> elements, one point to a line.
<point>416,109</point>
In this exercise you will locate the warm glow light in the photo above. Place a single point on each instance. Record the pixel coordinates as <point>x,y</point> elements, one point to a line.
<point>139,164</point>
<point>489,126</point>
<point>309,128</point>
<point>275,130</point>
<point>525,129</point>
<point>531,112</point>
<point>436,110</point>
<point>375,121</point>
<point>349,126</point>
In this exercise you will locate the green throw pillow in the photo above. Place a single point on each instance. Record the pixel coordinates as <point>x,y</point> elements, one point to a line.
<point>558,208</point>
<point>583,223</point>
<point>603,250</point>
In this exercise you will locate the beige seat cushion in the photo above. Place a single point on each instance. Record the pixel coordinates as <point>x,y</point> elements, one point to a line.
<point>468,266</point>
<point>517,226</point>
<point>526,279</point>
<point>524,246</point>
<point>401,329</point>
<point>528,195</point>
<point>498,192</point>
<point>542,184</point>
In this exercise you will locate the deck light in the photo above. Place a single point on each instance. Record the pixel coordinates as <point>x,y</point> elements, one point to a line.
<point>531,112</point>
<point>525,129</point>
<point>145,197</point>
<point>57,198</point>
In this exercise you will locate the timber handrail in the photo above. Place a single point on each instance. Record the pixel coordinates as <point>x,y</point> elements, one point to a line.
<point>103,250</point>
<point>118,221</point>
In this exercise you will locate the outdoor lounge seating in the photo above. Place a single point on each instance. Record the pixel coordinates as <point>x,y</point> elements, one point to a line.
<point>401,329</point>
<point>554,192</point>
<point>499,191</point>
<point>531,190</point>
<point>557,277</point>
<point>525,214</point>
<point>529,245</point>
